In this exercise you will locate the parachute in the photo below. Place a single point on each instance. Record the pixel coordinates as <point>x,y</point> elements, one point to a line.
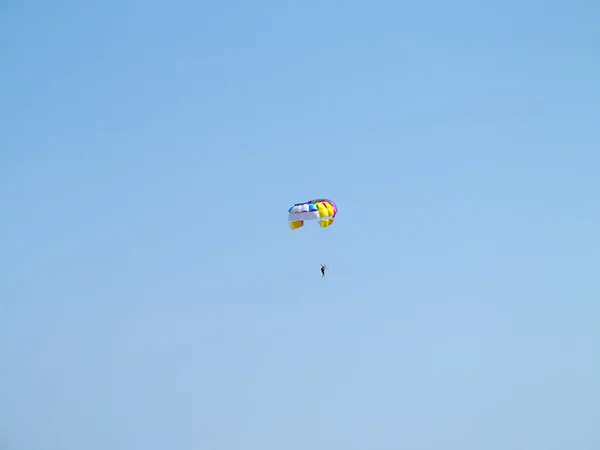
<point>320,209</point>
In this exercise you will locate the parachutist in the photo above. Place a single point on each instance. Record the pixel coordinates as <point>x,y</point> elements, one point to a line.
<point>323,271</point>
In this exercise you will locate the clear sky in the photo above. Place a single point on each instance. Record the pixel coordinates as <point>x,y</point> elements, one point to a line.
<point>152,295</point>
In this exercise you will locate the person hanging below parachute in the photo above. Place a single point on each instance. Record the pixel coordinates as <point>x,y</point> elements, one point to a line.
<point>320,209</point>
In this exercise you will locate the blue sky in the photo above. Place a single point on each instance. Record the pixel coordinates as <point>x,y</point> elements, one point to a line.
<point>153,296</point>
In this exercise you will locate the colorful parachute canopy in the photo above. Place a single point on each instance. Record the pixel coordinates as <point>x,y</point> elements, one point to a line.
<point>319,209</point>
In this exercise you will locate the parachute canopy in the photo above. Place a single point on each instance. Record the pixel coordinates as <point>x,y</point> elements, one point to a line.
<point>320,209</point>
